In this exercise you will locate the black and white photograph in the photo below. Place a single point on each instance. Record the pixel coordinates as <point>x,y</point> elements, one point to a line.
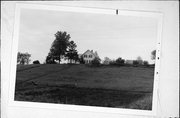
<point>90,59</point>
<point>86,59</point>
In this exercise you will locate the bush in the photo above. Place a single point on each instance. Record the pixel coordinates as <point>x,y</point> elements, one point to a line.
<point>36,62</point>
<point>95,62</point>
<point>50,60</point>
<point>145,63</point>
<point>112,62</point>
<point>135,62</point>
<point>81,60</point>
<point>120,61</point>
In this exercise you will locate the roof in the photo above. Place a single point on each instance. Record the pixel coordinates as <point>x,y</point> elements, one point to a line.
<point>95,54</point>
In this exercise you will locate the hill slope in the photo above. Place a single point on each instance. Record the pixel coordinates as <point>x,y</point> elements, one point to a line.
<point>83,85</point>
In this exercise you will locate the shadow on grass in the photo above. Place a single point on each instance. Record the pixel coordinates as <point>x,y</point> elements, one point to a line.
<point>81,96</point>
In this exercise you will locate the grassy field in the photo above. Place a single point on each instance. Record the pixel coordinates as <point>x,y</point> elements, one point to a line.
<point>107,86</point>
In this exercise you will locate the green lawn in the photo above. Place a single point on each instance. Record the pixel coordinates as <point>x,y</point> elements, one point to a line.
<point>108,86</point>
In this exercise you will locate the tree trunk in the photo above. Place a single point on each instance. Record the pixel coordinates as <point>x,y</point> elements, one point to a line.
<point>53,59</point>
<point>59,59</point>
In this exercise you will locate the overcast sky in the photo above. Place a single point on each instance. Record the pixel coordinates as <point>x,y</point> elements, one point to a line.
<point>111,36</point>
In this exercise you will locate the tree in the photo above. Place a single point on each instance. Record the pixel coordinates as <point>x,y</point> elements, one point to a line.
<point>50,59</point>
<point>145,63</point>
<point>106,61</point>
<point>59,46</point>
<point>120,61</point>
<point>96,61</point>
<point>139,60</point>
<point>112,62</point>
<point>23,58</point>
<point>153,55</point>
<point>81,60</point>
<point>72,52</point>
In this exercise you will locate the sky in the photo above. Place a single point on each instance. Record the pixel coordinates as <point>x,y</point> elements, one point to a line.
<point>111,36</point>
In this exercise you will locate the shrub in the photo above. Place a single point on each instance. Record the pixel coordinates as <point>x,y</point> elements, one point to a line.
<point>120,61</point>
<point>50,60</point>
<point>135,62</point>
<point>145,63</point>
<point>36,62</point>
<point>112,62</point>
<point>95,62</point>
<point>81,60</point>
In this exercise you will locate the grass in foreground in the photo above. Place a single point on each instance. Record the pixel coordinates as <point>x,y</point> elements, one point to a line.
<point>121,87</point>
<point>86,96</point>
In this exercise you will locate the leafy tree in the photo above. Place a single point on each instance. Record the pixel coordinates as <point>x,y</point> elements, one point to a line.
<point>23,58</point>
<point>76,57</point>
<point>106,61</point>
<point>72,52</point>
<point>113,62</point>
<point>50,59</point>
<point>120,61</point>
<point>139,60</point>
<point>96,62</point>
<point>153,55</point>
<point>145,63</point>
<point>59,46</point>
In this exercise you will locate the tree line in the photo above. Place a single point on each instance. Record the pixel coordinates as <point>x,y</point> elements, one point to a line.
<point>121,62</point>
<point>64,48</point>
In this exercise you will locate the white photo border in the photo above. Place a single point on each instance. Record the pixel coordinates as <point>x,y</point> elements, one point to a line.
<point>12,79</point>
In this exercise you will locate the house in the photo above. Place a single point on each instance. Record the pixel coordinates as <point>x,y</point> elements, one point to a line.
<point>89,55</point>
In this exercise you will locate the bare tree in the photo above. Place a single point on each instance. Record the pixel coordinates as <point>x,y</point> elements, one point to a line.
<point>23,58</point>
